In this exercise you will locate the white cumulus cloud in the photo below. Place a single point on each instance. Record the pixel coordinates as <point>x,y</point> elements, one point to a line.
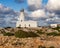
<point>34,4</point>
<point>53,5</point>
<point>38,13</point>
<point>6,16</point>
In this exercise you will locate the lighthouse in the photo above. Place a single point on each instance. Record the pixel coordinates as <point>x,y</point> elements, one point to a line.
<point>22,23</point>
<point>21,16</point>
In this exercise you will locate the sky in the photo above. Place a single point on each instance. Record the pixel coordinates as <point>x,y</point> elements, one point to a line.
<point>13,4</point>
<point>16,5</point>
<point>44,11</point>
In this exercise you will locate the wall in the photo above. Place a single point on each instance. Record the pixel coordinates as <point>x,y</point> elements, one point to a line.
<point>26,24</point>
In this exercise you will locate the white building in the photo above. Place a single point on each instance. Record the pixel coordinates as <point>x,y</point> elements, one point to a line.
<point>53,25</point>
<point>22,23</point>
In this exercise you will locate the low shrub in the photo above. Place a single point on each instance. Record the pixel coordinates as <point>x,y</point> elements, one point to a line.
<point>41,46</point>
<point>20,34</point>
<point>8,34</point>
<point>53,34</point>
<point>40,32</point>
<point>57,28</point>
<point>32,34</point>
<point>23,34</point>
<point>51,47</point>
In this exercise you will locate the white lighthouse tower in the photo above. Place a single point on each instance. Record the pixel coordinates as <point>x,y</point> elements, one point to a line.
<point>22,23</point>
<point>21,16</point>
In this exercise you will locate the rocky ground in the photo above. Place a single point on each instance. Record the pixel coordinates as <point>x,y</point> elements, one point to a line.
<point>41,41</point>
<point>13,42</point>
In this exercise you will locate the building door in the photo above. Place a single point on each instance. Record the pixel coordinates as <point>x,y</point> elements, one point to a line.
<point>20,25</point>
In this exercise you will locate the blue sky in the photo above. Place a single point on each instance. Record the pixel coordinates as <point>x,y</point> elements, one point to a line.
<point>44,1</point>
<point>12,4</point>
<point>17,6</point>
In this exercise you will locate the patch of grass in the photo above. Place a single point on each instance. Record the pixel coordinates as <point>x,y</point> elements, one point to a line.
<point>17,43</point>
<point>41,46</point>
<point>23,34</point>
<point>57,28</point>
<point>53,34</point>
<point>32,34</point>
<point>40,32</point>
<point>8,34</point>
<point>51,47</point>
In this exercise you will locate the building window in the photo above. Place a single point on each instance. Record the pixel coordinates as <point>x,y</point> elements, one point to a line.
<point>21,20</point>
<point>29,25</point>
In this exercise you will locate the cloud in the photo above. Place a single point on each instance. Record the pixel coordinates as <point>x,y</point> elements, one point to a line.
<point>53,11</point>
<point>53,5</point>
<point>5,10</point>
<point>50,14</point>
<point>19,1</point>
<point>34,4</point>
<point>38,13</point>
<point>6,15</point>
<point>53,20</point>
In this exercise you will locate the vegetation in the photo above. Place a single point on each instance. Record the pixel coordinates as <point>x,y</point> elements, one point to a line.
<point>8,34</point>
<point>17,43</point>
<point>41,46</point>
<point>40,32</point>
<point>53,34</point>
<point>23,34</point>
<point>45,47</point>
<point>57,28</point>
<point>51,47</point>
